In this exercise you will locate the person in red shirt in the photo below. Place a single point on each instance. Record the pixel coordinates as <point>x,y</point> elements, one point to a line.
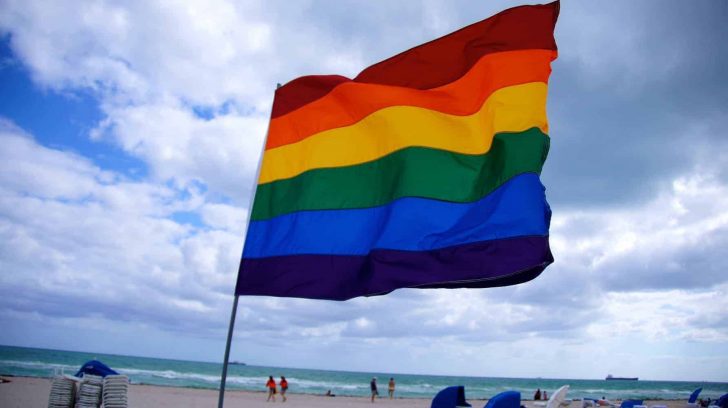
<point>284,388</point>
<point>271,384</point>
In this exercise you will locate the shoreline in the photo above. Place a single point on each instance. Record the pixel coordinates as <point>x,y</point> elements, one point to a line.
<point>29,392</point>
<point>264,392</point>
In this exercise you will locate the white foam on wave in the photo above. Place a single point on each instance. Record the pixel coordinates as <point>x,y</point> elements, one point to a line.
<point>333,385</point>
<point>253,382</point>
<point>139,375</point>
<point>169,374</point>
<point>38,365</point>
<point>417,388</point>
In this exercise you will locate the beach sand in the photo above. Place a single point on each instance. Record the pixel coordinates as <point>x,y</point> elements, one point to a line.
<point>24,392</point>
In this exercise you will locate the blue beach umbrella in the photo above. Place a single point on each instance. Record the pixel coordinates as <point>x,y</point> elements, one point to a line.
<point>95,367</point>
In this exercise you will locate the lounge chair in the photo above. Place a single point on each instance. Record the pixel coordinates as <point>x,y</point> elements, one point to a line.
<point>557,399</point>
<point>596,403</point>
<point>589,403</point>
<point>507,399</point>
<point>630,403</point>
<point>450,397</point>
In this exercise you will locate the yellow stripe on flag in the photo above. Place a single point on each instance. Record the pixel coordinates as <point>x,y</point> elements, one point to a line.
<point>511,109</point>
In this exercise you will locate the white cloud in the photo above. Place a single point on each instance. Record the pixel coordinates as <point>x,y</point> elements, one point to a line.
<point>31,176</point>
<point>221,153</point>
<point>140,50</point>
<point>670,242</point>
<point>79,243</point>
<point>666,316</point>
<point>223,216</point>
<point>616,57</point>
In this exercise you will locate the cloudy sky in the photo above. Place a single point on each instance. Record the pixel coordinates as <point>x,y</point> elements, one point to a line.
<point>129,138</point>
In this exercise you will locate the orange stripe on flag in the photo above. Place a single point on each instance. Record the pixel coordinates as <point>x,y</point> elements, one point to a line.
<point>351,102</point>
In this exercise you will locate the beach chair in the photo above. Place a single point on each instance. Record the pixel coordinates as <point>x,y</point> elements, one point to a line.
<point>557,399</point>
<point>630,403</point>
<point>693,400</point>
<point>450,397</point>
<point>507,399</point>
<point>588,402</point>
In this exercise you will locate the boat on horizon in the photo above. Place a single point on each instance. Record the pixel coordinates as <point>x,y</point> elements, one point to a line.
<point>237,363</point>
<point>610,377</point>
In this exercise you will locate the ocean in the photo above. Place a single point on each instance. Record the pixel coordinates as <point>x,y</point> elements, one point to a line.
<point>31,362</point>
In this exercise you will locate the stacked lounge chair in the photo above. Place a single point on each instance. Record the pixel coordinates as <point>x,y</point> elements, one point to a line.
<point>115,387</point>
<point>62,393</point>
<point>89,392</point>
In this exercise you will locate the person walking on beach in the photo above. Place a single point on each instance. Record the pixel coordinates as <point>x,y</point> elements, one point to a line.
<point>271,384</point>
<point>284,388</point>
<point>537,395</point>
<point>373,386</point>
<point>391,387</point>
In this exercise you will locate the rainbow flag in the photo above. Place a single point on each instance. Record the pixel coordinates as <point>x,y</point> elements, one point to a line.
<point>421,172</point>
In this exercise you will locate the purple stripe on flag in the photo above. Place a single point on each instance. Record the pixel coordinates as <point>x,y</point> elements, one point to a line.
<point>341,277</point>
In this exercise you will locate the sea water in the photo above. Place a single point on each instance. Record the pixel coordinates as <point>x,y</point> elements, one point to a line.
<point>31,362</point>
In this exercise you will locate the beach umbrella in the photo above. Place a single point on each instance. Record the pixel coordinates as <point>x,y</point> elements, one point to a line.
<point>95,367</point>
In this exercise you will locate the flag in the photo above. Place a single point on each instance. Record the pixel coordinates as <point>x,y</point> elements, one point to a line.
<point>421,172</point>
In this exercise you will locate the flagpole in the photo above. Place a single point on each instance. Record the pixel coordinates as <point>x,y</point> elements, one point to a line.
<point>223,379</point>
<point>221,397</point>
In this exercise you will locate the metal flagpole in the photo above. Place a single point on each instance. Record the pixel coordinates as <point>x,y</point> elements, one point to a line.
<point>221,396</point>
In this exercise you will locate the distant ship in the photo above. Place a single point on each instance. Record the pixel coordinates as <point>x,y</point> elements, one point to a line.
<point>612,378</point>
<point>237,363</point>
